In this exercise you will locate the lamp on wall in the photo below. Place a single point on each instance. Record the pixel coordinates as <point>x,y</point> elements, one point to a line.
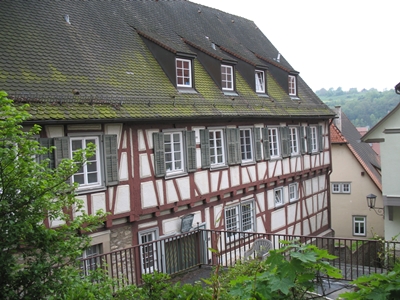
<point>371,200</point>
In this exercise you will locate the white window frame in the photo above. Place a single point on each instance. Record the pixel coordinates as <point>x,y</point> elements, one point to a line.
<point>91,264</point>
<point>292,85</point>
<point>183,73</point>
<point>279,197</point>
<point>173,161</point>
<point>346,188</point>
<point>241,219</point>
<point>227,78</point>
<point>293,192</point>
<point>260,81</point>
<point>246,145</point>
<point>314,139</point>
<point>359,225</point>
<point>217,148</point>
<point>148,253</point>
<point>294,141</point>
<point>93,162</point>
<point>341,187</point>
<point>274,147</point>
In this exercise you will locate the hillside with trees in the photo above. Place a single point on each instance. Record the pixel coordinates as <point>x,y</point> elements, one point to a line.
<point>363,108</point>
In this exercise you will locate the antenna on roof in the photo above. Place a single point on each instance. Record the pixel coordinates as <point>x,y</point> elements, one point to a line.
<point>66,17</point>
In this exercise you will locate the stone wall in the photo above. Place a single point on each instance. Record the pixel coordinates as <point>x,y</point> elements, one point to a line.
<point>121,237</point>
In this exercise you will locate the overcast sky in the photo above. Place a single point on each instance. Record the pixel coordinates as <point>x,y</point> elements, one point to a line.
<point>341,43</point>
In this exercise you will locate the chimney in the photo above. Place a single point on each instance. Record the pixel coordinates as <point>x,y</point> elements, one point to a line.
<point>338,120</point>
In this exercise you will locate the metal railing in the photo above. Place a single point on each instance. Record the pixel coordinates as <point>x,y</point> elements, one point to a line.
<point>172,255</point>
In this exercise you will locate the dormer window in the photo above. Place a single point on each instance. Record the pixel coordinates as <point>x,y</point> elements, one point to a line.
<point>292,85</point>
<point>227,78</point>
<point>183,72</point>
<point>260,81</point>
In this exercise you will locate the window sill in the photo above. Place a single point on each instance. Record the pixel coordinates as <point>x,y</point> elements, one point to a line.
<point>186,90</point>
<point>262,95</point>
<point>175,175</point>
<point>248,163</point>
<point>216,168</point>
<point>275,158</point>
<point>295,98</point>
<point>277,206</point>
<point>230,93</point>
<point>90,190</point>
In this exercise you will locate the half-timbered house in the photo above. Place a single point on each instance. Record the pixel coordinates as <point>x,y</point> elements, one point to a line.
<point>198,120</point>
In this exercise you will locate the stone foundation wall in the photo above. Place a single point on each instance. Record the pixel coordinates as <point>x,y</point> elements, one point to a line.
<point>121,237</point>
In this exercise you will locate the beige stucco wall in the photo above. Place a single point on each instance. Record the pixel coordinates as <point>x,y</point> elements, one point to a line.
<point>346,168</point>
<point>390,162</point>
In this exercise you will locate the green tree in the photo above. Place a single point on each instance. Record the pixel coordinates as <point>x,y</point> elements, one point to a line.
<point>36,260</point>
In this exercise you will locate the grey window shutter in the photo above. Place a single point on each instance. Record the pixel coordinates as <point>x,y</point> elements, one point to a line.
<point>111,159</point>
<point>62,151</point>
<point>265,136</point>
<point>47,143</point>
<point>205,148</point>
<point>159,154</point>
<point>258,143</point>
<point>308,137</point>
<point>301,140</point>
<point>191,151</point>
<point>320,139</point>
<point>284,133</point>
<point>233,144</point>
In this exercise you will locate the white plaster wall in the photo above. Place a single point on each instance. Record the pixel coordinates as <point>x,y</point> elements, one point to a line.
<point>201,180</point>
<point>123,167</point>
<point>214,181</point>
<point>245,176</point>
<point>235,178</point>
<point>84,208</point>
<point>141,142</point>
<point>392,228</point>
<point>218,215</point>
<point>261,169</point>
<point>160,191</point>
<point>286,165</point>
<point>149,197</point>
<point>144,170</point>
<point>278,219</point>
<point>53,131</point>
<point>172,196</point>
<point>260,198</point>
<point>260,225</point>
<point>123,202</point>
<point>184,187</point>
<point>98,202</point>
<point>306,159</point>
<point>224,180</point>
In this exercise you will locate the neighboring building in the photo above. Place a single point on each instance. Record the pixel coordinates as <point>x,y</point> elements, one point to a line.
<point>194,113</point>
<point>375,146</point>
<point>386,132</point>
<point>355,174</point>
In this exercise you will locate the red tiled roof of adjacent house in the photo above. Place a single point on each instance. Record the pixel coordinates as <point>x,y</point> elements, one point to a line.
<point>336,135</point>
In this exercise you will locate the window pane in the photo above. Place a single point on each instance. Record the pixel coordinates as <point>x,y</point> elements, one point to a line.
<point>76,145</point>
<point>92,167</point>
<point>92,177</point>
<point>79,179</point>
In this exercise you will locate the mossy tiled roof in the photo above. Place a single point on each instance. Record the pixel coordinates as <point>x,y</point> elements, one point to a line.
<point>102,55</point>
